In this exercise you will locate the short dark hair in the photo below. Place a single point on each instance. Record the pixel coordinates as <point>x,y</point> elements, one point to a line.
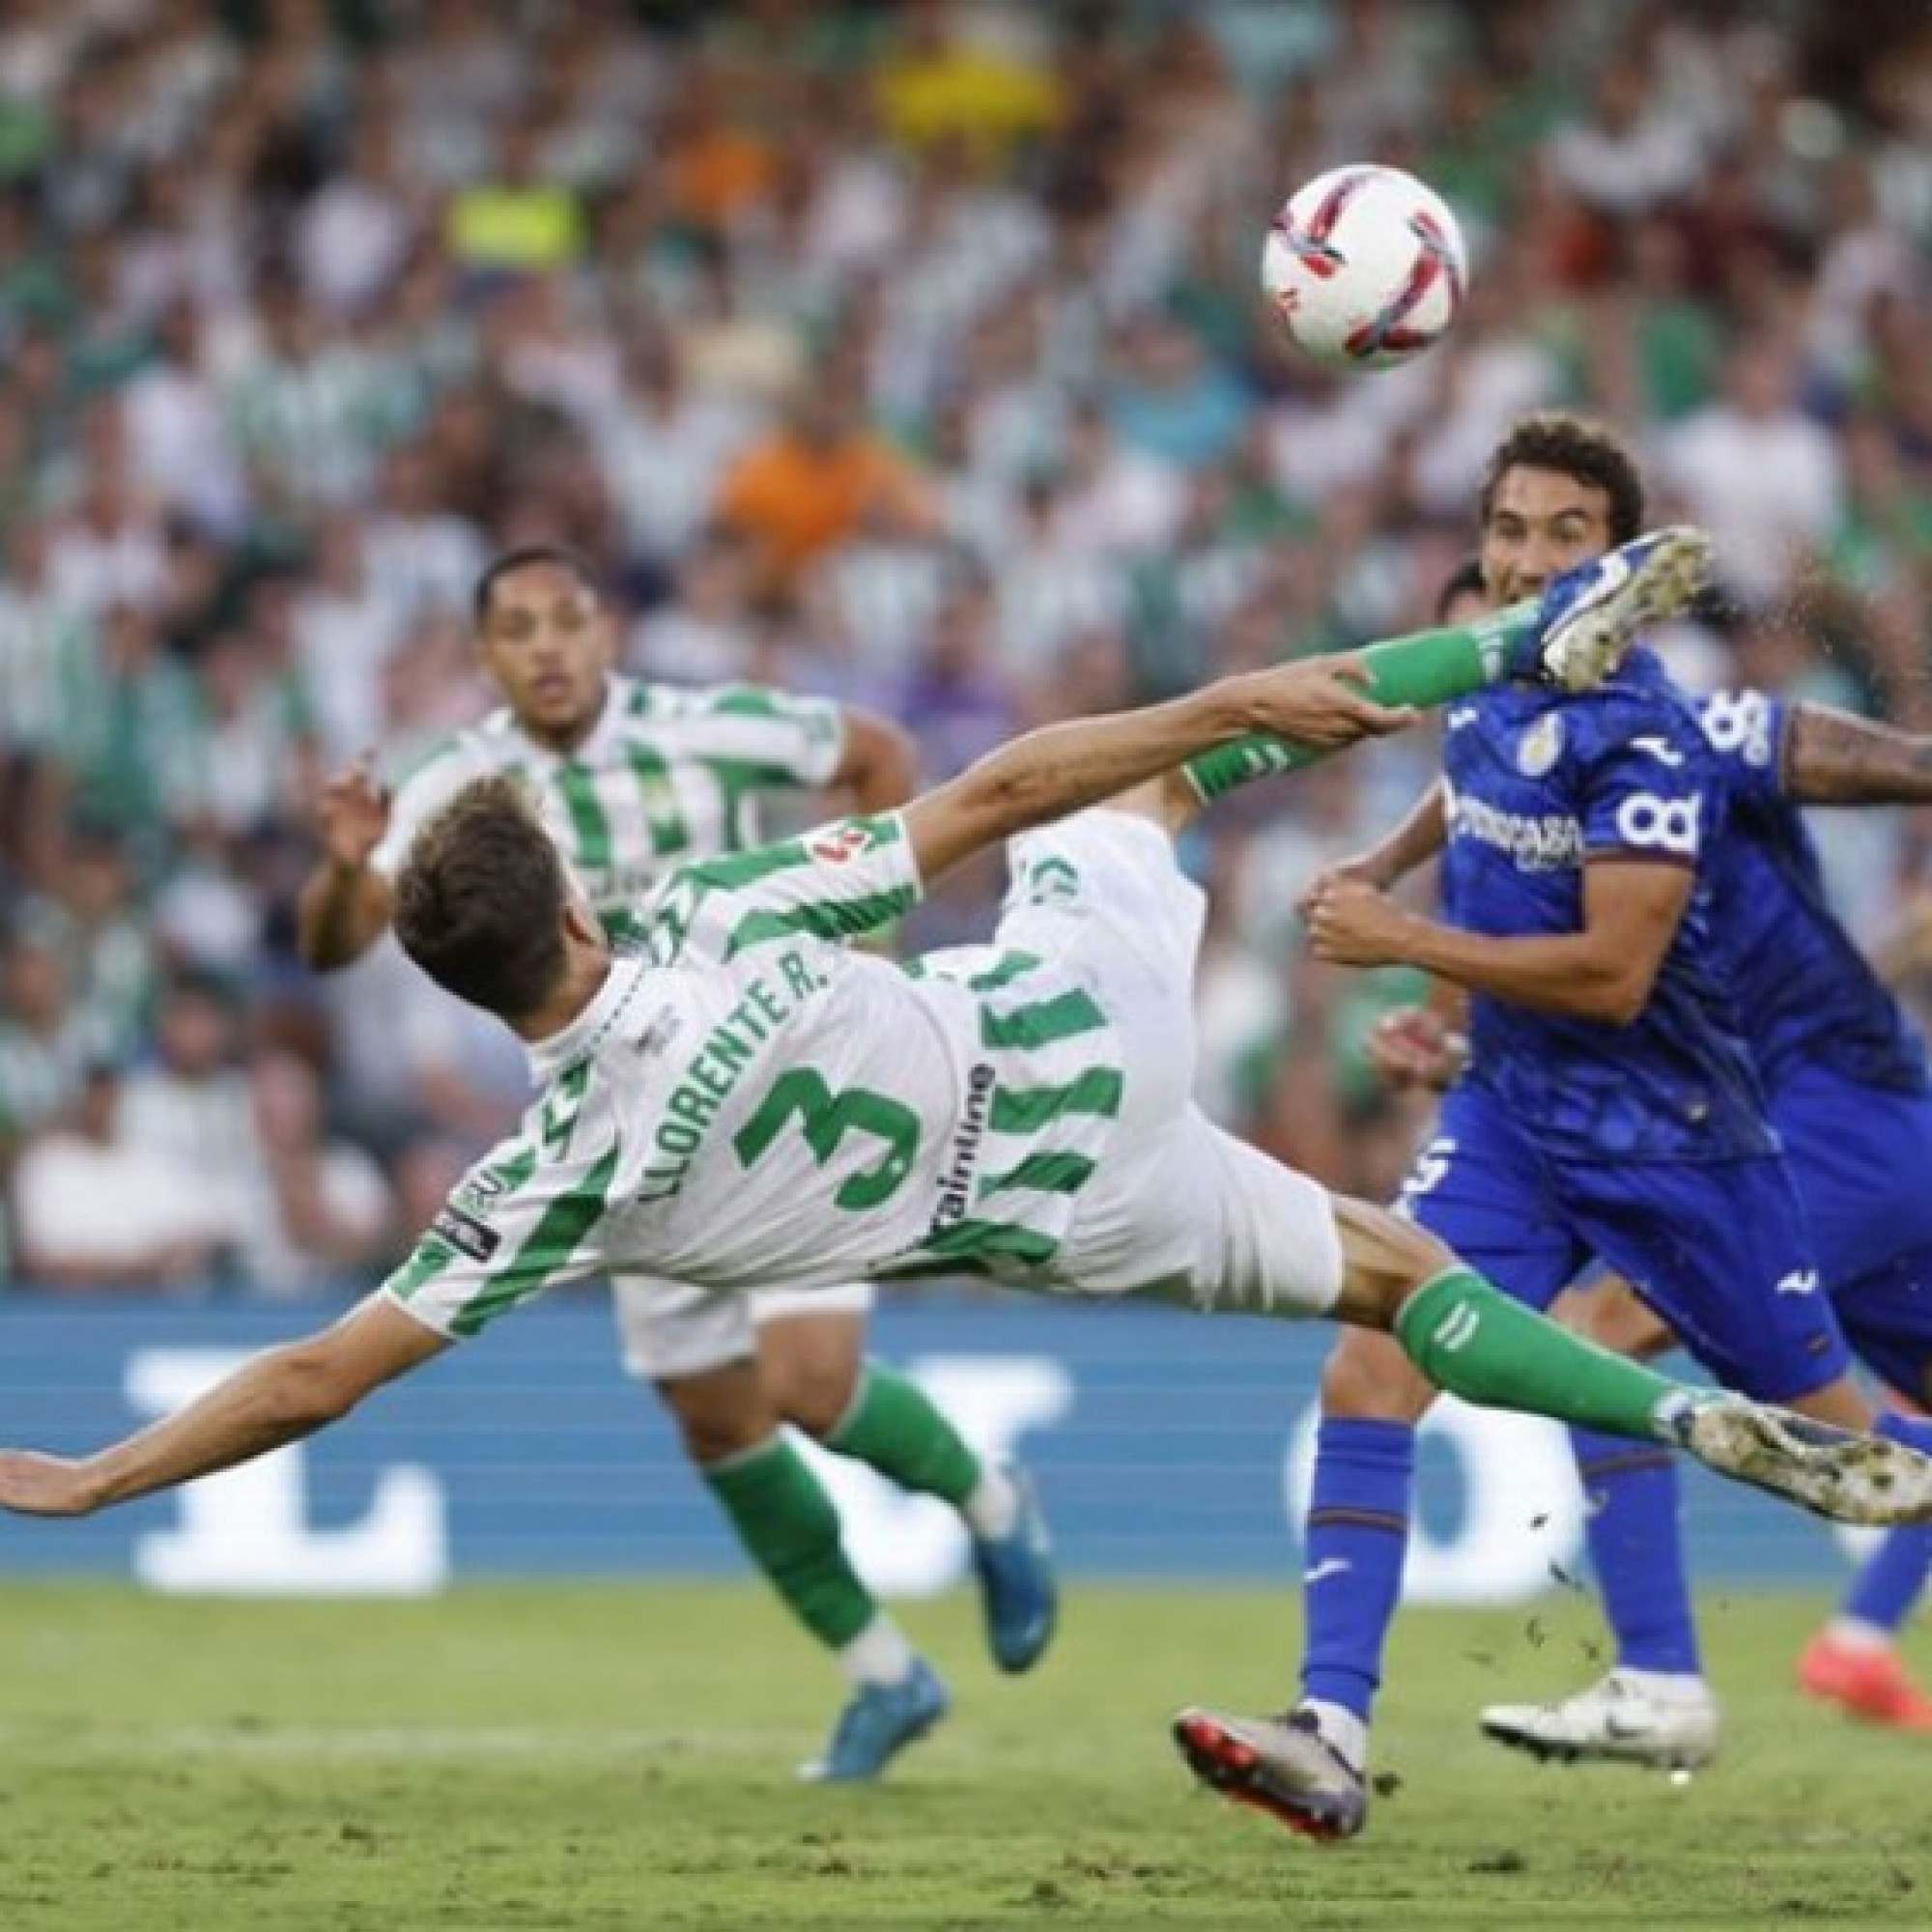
<point>1574,447</point>
<point>1465,581</point>
<point>479,899</point>
<point>522,558</point>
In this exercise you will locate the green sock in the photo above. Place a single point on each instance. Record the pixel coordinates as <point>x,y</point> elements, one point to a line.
<point>1425,668</point>
<point>1472,1340</point>
<point>894,1427</point>
<point>790,1530</point>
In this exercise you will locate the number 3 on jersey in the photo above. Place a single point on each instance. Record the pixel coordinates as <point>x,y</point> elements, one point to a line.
<point>827,1118</point>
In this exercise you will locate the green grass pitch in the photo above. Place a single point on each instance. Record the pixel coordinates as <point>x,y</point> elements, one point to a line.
<point>527,1756</point>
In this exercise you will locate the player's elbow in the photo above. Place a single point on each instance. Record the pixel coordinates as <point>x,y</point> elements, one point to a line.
<point>1009,793</point>
<point>1618,992</point>
<point>312,1389</point>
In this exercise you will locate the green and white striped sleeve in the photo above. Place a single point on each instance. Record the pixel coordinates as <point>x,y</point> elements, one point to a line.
<point>769,737</point>
<point>526,1218</point>
<point>849,876</point>
<point>424,790</point>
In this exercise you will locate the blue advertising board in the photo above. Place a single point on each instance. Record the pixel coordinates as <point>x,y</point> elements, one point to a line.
<point>1167,1446</point>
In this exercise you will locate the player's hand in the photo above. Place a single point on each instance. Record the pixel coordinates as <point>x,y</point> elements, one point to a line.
<point>1363,869</point>
<point>352,814</point>
<point>34,1484</point>
<point>1322,702</point>
<point>1350,924</point>
<point>1416,1046</point>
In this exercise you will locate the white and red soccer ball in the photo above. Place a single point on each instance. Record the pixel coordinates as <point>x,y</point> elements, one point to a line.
<point>1365,266</point>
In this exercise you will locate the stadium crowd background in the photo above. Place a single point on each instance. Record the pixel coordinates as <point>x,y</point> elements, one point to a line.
<point>908,353</point>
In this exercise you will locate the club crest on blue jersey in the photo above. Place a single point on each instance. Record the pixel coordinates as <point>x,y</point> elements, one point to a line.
<point>1541,746</point>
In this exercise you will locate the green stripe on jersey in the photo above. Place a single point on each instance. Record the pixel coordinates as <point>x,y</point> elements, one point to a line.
<point>741,780</point>
<point>427,1260</point>
<point>747,868</point>
<point>1044,1173</point>
<point>1011,965</point>
<point>550,1243</point>
<point>1042,1023</point>
<point>833,919</point>
<point>1025,1110</point>
<point>661,813</point>
<point>578,789</point>
<point>988,1241</point>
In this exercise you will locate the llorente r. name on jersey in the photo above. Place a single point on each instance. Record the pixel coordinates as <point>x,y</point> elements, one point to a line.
<point>666,774</point>
<point>1807,995</point>
<point>1535,785</point>
<point>749,1103</point>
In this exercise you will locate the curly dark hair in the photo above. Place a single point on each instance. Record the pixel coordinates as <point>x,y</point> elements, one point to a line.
<point>1574,447</point>
<point>479,899</point>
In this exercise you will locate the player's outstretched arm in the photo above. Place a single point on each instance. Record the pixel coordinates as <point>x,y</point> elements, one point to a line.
<point>1064,768</point>
<point>1834,757</point>
<point>344,907</point>
<point>276,1398</point>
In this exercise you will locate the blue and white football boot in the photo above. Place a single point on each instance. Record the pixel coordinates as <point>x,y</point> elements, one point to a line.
<point>1591,616</point>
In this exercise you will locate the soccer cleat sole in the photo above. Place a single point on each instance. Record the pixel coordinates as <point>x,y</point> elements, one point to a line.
<point>1867,1480</point>
<point>1672,575</point>
<point>1233,1768</point>
<point>1558,1750</point>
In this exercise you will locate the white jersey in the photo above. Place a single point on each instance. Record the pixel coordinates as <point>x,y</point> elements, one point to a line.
<point>666,775</point>
<point>747,1102</point>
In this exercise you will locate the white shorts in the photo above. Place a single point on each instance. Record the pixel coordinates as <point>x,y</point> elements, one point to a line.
<point>1175,1207</point>
<point>669,1330</point>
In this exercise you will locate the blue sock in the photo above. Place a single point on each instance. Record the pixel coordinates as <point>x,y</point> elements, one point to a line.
<point>1884,1592</point>
<point>1357,1538</point>
<point>1636,1548</point>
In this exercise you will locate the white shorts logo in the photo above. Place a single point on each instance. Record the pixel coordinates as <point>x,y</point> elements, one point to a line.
<point>1649,823</point>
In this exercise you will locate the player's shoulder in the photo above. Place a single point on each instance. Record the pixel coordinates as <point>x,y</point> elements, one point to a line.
<point>1635,711</point>
<point>652,706</point>
<point>468,751</point>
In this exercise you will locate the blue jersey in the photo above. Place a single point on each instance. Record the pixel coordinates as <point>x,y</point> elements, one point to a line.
<point>1536,784</point>
<point>1809,996</point>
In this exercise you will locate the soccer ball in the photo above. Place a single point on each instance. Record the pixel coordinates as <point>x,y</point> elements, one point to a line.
<point>1365,266</point>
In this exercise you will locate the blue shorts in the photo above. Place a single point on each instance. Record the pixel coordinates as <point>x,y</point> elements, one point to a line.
<point>1860,1158</point>
<point>1721,1249</point>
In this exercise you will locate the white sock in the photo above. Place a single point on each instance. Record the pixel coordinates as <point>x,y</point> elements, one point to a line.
<point>1342,1731</point>
<point>1854,1634</point>
<point>878,1655</point>
<point>993,1509</point>
<point>1669,1687</point>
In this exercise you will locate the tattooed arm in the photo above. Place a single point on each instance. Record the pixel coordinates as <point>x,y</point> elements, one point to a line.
<point>1832,757</point>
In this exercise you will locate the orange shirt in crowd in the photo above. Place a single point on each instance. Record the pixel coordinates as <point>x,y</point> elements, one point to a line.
<point>794,499</point>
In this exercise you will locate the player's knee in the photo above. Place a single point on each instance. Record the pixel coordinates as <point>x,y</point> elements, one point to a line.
<point>816,1396</point>
<point>720,1413</point>
<point>811,1367</point>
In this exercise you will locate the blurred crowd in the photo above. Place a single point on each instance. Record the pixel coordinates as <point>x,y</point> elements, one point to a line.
<point>905,353</point>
